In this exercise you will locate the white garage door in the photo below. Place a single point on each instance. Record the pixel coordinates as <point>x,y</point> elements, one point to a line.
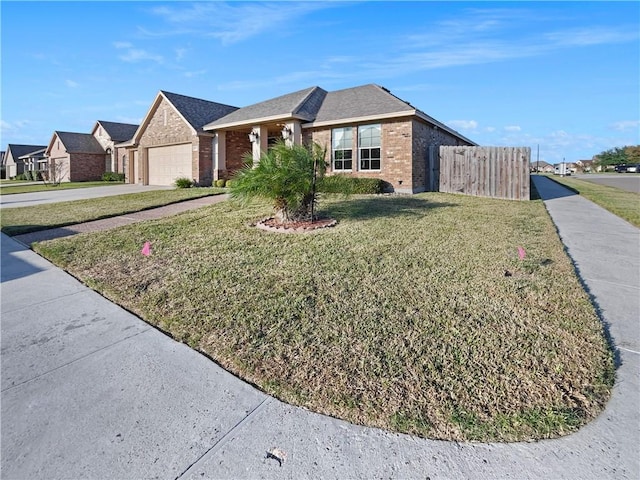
<point>168,163</point>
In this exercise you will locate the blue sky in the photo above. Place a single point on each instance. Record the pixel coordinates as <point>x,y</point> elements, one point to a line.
<point>564,76</point>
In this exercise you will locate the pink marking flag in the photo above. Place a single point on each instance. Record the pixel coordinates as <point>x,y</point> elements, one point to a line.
<point>146,250</point>
<point>521,253</point>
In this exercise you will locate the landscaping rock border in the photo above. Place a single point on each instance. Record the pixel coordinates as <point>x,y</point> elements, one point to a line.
<point>270,224</point>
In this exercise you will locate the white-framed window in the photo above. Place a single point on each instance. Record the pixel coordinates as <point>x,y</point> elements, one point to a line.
<point>369,146</point>
<point>342,149</point>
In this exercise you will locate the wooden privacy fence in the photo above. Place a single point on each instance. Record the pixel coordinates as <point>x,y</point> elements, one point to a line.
<point>499,172</point>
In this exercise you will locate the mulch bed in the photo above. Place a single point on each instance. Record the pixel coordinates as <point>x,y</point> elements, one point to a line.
<point>272,224</point>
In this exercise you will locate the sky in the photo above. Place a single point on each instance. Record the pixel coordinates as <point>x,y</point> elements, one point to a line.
<point>560,77</point>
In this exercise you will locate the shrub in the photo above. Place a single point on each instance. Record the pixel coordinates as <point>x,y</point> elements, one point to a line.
<point>183,182</point>
<point>286,175</point>
<point>22,176</point>
<point>229,183</point>
<point>220,183</point>
<point>350,185</point>
<point>112,177</point>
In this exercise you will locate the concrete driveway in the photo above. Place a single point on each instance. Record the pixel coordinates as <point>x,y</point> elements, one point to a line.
<point>52,195</point>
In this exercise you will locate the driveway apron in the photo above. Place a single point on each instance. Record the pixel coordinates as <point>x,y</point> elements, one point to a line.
<point>91,391</point>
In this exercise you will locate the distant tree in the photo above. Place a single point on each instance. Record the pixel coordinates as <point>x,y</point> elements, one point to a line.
<point>613,156</point>
<point>633,153</point>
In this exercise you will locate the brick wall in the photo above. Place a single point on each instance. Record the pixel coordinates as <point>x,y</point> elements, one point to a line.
<point>237,146</point>
<point>396,157</point>
<point>203,161</point>
<point>166,127</point>
<point>86,167</point>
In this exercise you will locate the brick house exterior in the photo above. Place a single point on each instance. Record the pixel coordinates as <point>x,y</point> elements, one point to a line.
<point>170,142</point>
<point>108,135</point>
<point>75,157</point>
<point>367,131</point>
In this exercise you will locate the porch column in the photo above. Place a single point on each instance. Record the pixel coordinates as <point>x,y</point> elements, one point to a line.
<point>294,133</point>
<point>261,143</point>
<point>219,155</point>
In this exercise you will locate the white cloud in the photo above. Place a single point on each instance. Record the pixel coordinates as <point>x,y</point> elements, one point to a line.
<point>71,84</point>
<point>194,73</point>
<point>180,53</point>
<point>625,125</point>
<point>463,124</point>
<point>512,128</point>
<point>134,55</point>
<point>232,22</point>
<point>122,45</point>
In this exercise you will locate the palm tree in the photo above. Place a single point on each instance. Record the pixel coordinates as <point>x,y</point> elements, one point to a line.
<point>285,175</point>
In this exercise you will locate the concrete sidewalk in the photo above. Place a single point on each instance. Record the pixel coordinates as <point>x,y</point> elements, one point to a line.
<point>91,391</point>
<point>113,222</point>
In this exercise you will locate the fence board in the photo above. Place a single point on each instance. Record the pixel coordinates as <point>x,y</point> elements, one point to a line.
<point>499,172</point>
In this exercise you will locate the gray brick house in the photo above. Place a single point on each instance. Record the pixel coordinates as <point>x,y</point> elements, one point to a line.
<point>367,131</point>
<point>171,143</point>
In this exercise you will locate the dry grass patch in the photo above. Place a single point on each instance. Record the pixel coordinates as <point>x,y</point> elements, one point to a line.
<point>400,317</point>
<point>625,205</point>
<point>16,221</point>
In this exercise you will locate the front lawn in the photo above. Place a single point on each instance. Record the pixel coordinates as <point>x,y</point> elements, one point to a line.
<point>414,313</point>
<point>15,221</point>
<point>47,187</point>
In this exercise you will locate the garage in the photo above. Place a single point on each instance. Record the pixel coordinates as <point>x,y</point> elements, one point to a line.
<point>168,163</point>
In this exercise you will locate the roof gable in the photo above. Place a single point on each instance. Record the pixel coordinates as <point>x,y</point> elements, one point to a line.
<point>194,111</point>
<point>197,112</point>
<point>17,151</point>
<point>302,104</point>
<point>118,132</point>
<point>77,142</point>
<point>364,101</point>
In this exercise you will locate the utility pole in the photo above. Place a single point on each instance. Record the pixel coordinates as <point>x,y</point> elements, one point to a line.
<point>538,159</point>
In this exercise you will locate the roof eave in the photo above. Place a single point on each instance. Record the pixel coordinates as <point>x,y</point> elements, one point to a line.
<point>255,121</point>
<point>366,118</point>
<point>442,126</point>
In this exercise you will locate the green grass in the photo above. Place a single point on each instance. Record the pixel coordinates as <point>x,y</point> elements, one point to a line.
<point>8,189</point>
<point>624,204</point>
<point>403,316</point>
<point>16,221</point>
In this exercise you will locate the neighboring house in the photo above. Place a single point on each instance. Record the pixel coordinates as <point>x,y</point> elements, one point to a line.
<point>108,135</point>
<point>367,131</point>
<point>170,142</point>
<point>35,161</point>
<point>585,165</point>
<point>14,166</point>
<point>75,157</point>
<point>541,166</point>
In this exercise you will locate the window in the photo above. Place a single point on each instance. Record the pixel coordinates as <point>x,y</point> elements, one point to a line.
<point>342,148</point>
<point>369,147</point>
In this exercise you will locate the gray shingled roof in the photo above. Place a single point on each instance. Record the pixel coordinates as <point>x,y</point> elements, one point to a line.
<point>301,104</point>
<point>196,111</point>
<point>35,153</point>
<point>363,101</point>
<point>18,151</point>
<point>119,132</point>
<point>80,142</point>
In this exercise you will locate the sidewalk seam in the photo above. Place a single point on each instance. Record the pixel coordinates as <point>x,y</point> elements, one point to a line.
<point>223,440</point>
<point>84,289</point>
<point>75,360</point>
